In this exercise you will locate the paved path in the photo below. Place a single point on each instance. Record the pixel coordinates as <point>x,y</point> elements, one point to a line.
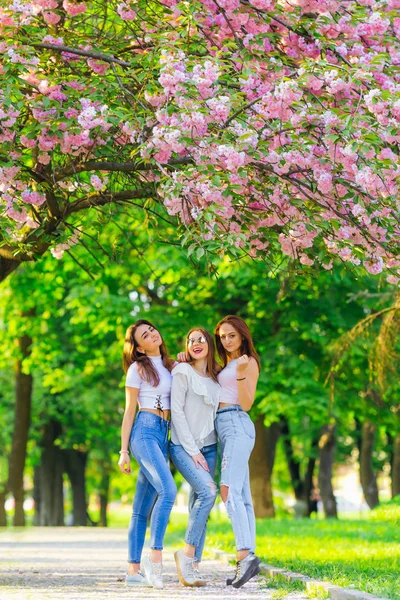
<point>89,563</point>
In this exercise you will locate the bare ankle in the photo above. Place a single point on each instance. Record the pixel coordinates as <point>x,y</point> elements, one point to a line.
<point>133,568</point>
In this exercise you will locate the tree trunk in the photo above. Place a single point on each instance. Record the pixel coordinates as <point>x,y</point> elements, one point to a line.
<point>105,488</point>
<point>261,465</point>
<point>326,446</point>
<point>7,266</point>
<point>3,515</point>
<point>367,475</point>
<point>309,486</point>
<point>36,496</point>
<point>293,463</point>
<point>75,465</point>
<point>49,480</point>
<point>22,419</point>
<point>395,470</point>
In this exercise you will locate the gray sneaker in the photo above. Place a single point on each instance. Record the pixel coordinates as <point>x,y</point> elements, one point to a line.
<point>199,580</point>
<point>185,568</point>
<point>153,572</point>
<point>137,580</point>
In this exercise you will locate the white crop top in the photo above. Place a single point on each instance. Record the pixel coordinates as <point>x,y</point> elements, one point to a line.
<point>227,380</point>
<point>158,397</point>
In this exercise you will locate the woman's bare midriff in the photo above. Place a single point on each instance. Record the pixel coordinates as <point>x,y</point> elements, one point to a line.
<point>164,414</point>
<point>224,404</point>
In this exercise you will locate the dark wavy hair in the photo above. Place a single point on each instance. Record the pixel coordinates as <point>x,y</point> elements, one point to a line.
<point>131,354</point>
<point>247,346</point>
<point>213,367</point>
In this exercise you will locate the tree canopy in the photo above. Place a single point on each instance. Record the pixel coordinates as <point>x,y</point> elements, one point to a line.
<point>267,127</point>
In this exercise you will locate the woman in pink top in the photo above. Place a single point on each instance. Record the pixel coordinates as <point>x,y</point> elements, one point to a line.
<point>236,431</point>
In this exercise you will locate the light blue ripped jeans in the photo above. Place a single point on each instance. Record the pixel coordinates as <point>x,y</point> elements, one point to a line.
<point>237,434</point>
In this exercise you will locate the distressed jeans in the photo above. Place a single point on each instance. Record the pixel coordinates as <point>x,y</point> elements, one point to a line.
<point>149,446</point>
<point>237,435</point>
<point>203,492</point>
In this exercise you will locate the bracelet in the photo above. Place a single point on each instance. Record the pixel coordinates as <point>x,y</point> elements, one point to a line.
<point>242,379</point>
<point>124,451</point>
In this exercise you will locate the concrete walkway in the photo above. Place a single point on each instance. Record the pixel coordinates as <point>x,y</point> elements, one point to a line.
<point>89,563</point>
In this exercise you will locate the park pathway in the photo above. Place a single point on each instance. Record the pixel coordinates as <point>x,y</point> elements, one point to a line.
<point>89,563</point>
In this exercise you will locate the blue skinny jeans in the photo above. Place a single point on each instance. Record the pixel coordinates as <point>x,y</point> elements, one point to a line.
<point>149,446</point>
<point>203,492</point>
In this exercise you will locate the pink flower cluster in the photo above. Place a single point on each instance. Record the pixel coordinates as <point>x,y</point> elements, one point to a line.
<point>125,12</point>
<point>58,250</point>
<point>267,126</point>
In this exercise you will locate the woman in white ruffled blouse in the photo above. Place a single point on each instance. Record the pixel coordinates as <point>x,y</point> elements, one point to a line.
<point>194,400</point>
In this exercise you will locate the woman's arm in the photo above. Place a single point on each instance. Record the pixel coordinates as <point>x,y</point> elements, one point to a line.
<point>131,396</point>
<point>246,377</point>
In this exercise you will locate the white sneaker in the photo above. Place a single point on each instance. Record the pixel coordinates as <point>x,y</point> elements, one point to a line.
<point>153,572</point>
<point>199,580</point>
<point>137,580</point>
<point>185,568</point>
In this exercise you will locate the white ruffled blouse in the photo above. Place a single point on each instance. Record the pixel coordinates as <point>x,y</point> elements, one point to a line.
<point>194,403</point>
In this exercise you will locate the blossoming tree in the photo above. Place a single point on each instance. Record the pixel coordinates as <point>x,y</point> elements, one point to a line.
<point>268,126</point>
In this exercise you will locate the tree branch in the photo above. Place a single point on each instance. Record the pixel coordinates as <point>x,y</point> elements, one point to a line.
<point>88,53</point>
<point>122,167</point>
<point>107,198</point>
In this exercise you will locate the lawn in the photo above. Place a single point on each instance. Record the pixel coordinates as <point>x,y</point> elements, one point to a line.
<point>359,554</point>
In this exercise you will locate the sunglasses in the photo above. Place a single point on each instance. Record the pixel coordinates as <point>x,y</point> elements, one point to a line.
<point>200,340</point>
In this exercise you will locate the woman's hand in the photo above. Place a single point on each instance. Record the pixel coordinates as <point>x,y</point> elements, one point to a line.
<point>199,459</point>
<point>241,366</point>
<point>124,463</point>
<point>183,357</point>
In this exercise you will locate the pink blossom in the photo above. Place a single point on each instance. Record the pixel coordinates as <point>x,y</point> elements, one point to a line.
<point>98,66</point>
<point>47,4</point>
<point>44,158</point>
<point>51,18</point>
<point>325,183</point>
<point>126,13</point>
<point>73,9</point>
<point>97,183</point>
<point>392,279</point>
<point>374,265</point>
<point>34,198</point>
<point>305,260</point>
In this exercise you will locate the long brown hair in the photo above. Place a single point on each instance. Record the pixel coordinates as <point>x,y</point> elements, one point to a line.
<point>146,369</point>
<point>247,346</point>
<point>213,367</point>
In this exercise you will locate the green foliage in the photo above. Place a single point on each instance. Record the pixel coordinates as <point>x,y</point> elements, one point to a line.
<point>362,554</point>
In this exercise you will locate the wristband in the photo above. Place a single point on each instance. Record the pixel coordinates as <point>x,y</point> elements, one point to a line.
<point>242,379</point>
<point>124,451</point>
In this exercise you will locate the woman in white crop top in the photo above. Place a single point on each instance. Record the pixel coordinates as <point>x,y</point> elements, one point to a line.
<point>148,385</point>
<point>236,431</point>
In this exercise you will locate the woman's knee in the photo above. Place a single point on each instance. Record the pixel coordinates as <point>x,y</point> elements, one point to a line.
<point>209,493</point>
<point>224,491</point>
<point>169,492</point>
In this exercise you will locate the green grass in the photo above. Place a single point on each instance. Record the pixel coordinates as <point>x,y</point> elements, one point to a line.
<point>359,554</point>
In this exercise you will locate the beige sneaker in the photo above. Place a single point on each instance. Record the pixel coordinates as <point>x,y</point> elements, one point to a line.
<point>199,580</point>
<point>185,568</point>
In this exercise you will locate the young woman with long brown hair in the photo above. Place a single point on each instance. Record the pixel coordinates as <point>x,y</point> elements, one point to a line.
<point>148,386</point>
<point>193,447</point>
<point>236,431</point>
